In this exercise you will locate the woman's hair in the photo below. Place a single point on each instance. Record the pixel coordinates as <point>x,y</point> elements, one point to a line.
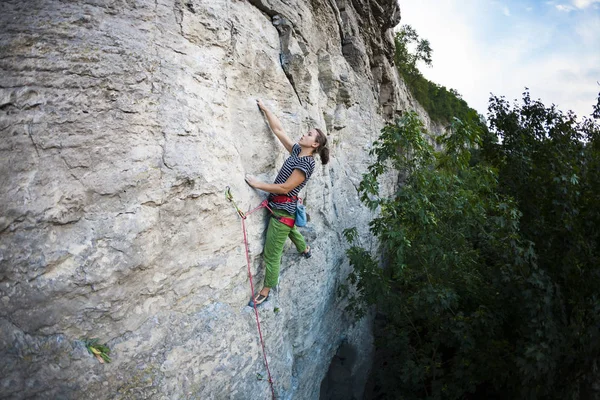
<point>323,150</point>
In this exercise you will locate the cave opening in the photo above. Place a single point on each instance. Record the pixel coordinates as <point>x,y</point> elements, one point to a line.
<point>339,383</point>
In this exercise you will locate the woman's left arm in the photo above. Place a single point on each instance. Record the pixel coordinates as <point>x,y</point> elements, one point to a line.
<point>295,179</point>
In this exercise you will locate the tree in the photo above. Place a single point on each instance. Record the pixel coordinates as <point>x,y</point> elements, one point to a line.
<point>549,162</point>
<point>440,103</point>
<point>491,273</point>
<point>406,38</point>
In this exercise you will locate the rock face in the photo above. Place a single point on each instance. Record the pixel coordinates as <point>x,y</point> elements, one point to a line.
<point>122,123</point>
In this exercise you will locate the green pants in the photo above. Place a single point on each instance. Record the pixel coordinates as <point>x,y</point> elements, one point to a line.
<point>277,233</point>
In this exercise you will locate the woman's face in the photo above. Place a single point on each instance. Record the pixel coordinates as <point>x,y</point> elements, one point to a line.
<point>309,139</point>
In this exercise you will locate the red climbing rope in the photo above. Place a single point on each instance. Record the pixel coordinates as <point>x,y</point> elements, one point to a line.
<point>243,215</point>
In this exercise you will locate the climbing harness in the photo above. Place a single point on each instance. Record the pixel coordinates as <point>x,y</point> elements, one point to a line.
<point>264,204</point>
<point>300,219</point>
<point>284,199</point>
<point>285,220</point>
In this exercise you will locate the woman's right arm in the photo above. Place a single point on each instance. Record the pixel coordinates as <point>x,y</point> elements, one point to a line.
<point>276,127</point>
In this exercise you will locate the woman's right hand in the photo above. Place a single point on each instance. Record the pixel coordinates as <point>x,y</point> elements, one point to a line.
<point>250,180</point>
<point>261,105</point>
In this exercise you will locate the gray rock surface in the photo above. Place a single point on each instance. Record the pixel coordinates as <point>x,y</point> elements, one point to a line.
<point>122,122</point>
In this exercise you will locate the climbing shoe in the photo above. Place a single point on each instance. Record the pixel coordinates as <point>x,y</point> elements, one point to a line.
<point>258,300</point>
<point>307,254</point>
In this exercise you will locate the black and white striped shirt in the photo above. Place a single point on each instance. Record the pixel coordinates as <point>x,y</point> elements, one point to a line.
<point>305,164</point>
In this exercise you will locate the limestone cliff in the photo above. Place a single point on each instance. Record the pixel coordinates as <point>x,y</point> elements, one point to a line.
<point>122,123</point>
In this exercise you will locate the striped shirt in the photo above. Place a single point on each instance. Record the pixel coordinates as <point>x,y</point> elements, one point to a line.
<point>305,164</point>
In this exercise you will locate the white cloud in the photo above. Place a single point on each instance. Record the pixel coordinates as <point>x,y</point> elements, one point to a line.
<point>502,6</point>
<point>588,31</point>
<point>565,8</point>
<point>476,53</point>
<point>584,3</point>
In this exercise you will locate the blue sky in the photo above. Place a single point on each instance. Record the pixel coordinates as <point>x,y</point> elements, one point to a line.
<point>483,46</point>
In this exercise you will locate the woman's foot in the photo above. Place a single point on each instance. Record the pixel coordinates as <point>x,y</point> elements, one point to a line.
<point>306,253</point>
<point>260,298</point>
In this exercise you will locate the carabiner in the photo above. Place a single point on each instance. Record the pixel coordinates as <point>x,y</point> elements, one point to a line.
<point>229,197</point>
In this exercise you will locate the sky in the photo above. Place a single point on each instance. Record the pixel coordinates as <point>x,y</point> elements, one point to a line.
<point>501,47</point>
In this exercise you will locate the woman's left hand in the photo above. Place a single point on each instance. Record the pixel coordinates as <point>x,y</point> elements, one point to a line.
<point>250,180</point>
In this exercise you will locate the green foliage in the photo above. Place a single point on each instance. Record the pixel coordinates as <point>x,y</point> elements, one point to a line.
<point>405,38</point>
<point>407,135</point>
<point>350,234</point>
<point>549,162</point>
<point>100,351</point>
<point>490,272</point>
<point>440,103</point>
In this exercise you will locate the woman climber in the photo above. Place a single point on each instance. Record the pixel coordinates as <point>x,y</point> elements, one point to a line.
<point>292,177</point>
